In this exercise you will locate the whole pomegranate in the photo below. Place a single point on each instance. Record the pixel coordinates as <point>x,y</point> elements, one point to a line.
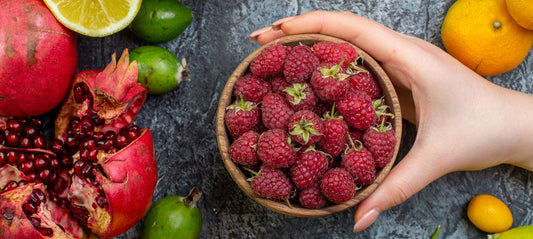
<point>96,177</point>
<point>38,58</point>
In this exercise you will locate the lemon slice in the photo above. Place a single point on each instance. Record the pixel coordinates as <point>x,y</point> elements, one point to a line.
<point>95,18</point>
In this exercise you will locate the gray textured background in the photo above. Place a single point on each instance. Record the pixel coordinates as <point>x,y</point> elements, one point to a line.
<point>183,125</point>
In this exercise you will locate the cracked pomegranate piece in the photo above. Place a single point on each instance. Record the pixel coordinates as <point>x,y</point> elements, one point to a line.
<point>96,177</point>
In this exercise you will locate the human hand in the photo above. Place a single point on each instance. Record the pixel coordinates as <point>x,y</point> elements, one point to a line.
<point>464,122</point>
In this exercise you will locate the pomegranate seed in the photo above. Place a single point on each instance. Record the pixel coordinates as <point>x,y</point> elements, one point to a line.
<point>110,134</point>
<point>111,149</point>
<point>80,93</point>
<point>30,131</point>
<point>121,141</point>
<point>29,208</point>
<point>57,146</point>
<point>11,138</point>
<point>32,177</point>
<point>97,136</point>
<point>74,121</point>
<point>101,200</point>
<point>27,167</point>
<point>54,163</point>
<point>2,158</point>
<point>89,143</point>
<point>11,185</point>
<point>47,232</point>
<point>22,182</point>
<point>46,175</point>
<point>78,165</point>
<point>59,185</point>
<point>25,142</point>
<point>86,170</point>
<point>40,195</point>
<point>108,142</point>
<point>35,222</point>
<point>71,142</point>
<point>14,125</point>
<point>39,142</point>
<point>86,124</point>
<point>37,123</point>
<point>34,199</point>
<point>66,161</point>
<point>41,163</point>
<point>12,157</point>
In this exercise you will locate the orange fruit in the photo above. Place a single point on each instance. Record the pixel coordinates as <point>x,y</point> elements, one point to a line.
<point>489,214</point>
<point>522,12</point>
<point>483,36</point>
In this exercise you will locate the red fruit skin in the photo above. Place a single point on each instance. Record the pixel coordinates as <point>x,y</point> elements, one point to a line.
<point>337,185</point>
<point>329,88</point>
<point>129,192</point>
<point>270,61</point>
<point>278,85</point>
<point>314,127</point>
<point>238,121</point>
<point>322,107</point>
<point>360,164</point>
<point>308,168</point>
<point>38,58</point>
<point>357,110</point>
<point>275,111</point>
<point>272,183</point>
<point>244,149</point>
<point>300,64</point>
<point>380,144</point>
<point>330,52</point>
<point>334,141</point>
<point>251,88</point>
<point>273,149</point>
<point>364,81</point>
<point>312,198</point>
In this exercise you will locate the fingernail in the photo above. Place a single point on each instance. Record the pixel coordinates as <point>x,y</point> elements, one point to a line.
<point>366,220</point>
<point>254,34</point>
<point>276,25</point>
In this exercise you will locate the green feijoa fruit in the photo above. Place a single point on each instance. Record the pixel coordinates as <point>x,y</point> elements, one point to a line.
<point>174,217</point>
<point>160,71</point>
<point>160,21</point>
<point>514,233</point>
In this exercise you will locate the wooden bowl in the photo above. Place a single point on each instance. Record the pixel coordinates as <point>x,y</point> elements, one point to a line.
<point>240,178</point>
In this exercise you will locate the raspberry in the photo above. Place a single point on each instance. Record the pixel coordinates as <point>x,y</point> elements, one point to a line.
<point>243,150</point>
<point>270,61</point>
<point>308,168</point>
<point>278,85</point>
<point>305,127</point>
<point>357,110</point>
<point>301,96</point>
<point>360,163</point>
<point>272,183</point>
<point>240,117</point>
<point>355,134</point>
<point>330,81</point>
<point>322,107</point>
<point>252,88</point>
<point>300,64</point>
<point>362,80</point>
<point>334,138</point>
<point>381,142</point>
<point>312,198</point>
<point>276,111</point>
<point>337,185</point>
<point>329,52</point>
<point>274,150</point>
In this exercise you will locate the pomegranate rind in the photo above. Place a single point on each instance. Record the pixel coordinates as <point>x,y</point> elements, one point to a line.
<point>38,59</point>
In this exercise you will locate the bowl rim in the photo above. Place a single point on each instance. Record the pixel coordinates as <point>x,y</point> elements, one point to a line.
<point>240,178</point>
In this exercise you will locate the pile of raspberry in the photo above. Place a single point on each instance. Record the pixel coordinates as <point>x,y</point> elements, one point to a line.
<point>310,124</point>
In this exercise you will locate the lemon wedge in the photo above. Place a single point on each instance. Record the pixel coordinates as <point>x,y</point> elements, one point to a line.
<point>94,18</point>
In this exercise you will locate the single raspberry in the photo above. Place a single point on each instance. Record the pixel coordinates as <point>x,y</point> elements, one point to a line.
<point>381,142</point>
<point>330,52</point>
<point>275,111</point>
<point>330,81</point>
<point>361,79</point>
<point>337,185</point>
<point>334,139</point>
<point>270,61</point>
<point>301,96</point>
<point>241,116</point>
<point>251,88</point>
<point>360,163</point>
<point>274,149</point>
<point>312,198</point>
<point>357,110</point>
<point>278,84</point>
<point>305,127</point>
<point>308,168</point>
<point>244,149</point>
<point>300,64</point>
<point>272,183</point>
<point>383,111</point>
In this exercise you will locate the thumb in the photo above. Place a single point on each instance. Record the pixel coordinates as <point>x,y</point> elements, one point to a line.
<point>416,170</point>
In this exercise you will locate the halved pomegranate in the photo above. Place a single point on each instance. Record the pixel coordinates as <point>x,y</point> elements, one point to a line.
<point>96,177</point>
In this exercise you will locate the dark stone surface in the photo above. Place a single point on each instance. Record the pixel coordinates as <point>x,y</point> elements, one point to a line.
<point>183,125</point>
